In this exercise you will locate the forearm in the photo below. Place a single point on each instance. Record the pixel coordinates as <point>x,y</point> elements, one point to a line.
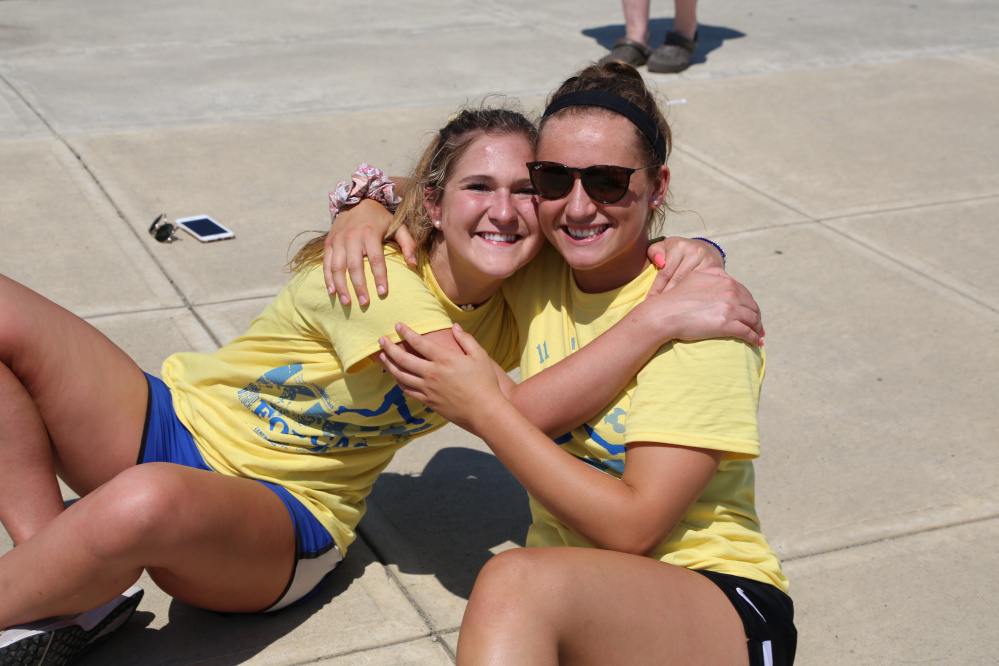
<point>573,390</point>
<point>631,514</point>
<point>603,509</point>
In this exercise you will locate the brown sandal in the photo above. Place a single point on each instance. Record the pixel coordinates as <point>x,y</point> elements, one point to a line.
<point>674,55</point>
<point>629,51</point>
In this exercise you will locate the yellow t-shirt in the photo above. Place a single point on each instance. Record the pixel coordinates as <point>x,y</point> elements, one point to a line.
<point>700,394</point>
<point>296,401</point>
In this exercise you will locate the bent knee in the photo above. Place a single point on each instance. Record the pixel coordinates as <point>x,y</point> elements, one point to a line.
<point>138,508</point>
<point>517,573</point>
<point>17,330</point>
<point>517,584</point>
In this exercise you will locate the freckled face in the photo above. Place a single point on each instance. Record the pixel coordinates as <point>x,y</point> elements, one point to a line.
<point>489,224</point>
<point>604,243</point>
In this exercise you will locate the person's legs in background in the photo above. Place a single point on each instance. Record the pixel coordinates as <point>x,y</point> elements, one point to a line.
<point>633,48</point>
<point>680,43</point>
<point>685,18</point>
<point>675,52</point>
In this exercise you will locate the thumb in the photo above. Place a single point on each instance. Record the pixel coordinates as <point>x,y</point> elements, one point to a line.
<point>406,244</point>
<point>466,341</point>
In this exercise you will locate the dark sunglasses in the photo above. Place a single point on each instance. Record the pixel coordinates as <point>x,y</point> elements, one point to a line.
<point>162,230</point>
<point>604,183</point>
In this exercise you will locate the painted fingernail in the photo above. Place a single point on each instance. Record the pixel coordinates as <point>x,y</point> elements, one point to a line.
<point>659,261</point>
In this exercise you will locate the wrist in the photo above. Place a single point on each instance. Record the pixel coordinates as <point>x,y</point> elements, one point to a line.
<point>648,325</point>
<point>724,257</point>
<point>501,413</point>
<point>367,182</point>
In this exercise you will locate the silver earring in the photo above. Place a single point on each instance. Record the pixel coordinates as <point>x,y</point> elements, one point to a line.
<point>437,224</point>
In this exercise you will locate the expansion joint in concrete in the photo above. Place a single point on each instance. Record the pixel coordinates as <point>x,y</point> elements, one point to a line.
<point>892,528</point>
<point>111,201</point>
<point>961,291</point>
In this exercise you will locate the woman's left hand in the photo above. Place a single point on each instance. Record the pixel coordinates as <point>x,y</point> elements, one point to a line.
<point>356,233</point>
<point>677,257</point>
<point>707,304</point>
<point>453,383</point>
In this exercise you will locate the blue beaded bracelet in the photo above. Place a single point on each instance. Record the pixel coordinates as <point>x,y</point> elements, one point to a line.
<point>717,247</point>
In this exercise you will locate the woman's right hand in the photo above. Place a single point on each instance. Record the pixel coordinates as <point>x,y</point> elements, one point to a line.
<point>456,381</point>
<point>359,232</point>
<point>706,304</point>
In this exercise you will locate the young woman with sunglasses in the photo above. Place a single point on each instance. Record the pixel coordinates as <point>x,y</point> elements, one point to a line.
<point>238,480</point>
<point>659,559</point>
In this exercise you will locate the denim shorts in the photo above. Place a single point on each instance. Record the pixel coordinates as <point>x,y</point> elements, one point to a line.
<point>165,439</point>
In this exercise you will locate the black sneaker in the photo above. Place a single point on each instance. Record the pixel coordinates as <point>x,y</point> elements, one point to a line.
<point>57,641</point>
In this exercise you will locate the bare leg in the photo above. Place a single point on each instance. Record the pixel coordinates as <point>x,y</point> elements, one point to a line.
<point>29,492</point>
<point>74,403</point>
<point>589,606</point>
<point>216,542</point>
<point>70,401</point>
<point>636,20</point>
<point>685,18</point>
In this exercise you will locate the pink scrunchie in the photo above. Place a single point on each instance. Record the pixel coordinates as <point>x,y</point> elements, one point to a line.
<point>368,182</point>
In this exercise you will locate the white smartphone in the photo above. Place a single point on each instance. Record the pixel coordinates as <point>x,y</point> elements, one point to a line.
<point>204,228</point>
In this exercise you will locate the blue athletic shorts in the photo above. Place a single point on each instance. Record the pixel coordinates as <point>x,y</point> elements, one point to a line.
<point>165,439</point>
<point>767,615</point>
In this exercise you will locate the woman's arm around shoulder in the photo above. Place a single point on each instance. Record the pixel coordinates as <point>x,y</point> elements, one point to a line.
<point>706,304</point>
<point>358,232</point>
<point>632,514</point>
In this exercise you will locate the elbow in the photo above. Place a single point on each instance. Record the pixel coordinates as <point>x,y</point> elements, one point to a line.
<point>634,539</point>
<point>638,529</point>
<point>544,420</point>
<point>644,546</point>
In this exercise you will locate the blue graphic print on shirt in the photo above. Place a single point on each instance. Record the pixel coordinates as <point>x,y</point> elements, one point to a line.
<point>614,420</point>
<point>610,466</point>
<point>394,398</point>
<point>276,399</point>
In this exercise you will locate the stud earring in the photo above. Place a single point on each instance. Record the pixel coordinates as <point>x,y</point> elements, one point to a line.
<point>437,224</point>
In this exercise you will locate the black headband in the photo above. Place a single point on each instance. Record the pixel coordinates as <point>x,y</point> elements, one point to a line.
<point>625,107</point>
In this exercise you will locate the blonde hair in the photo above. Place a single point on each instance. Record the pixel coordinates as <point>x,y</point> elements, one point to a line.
<point>434,170</point>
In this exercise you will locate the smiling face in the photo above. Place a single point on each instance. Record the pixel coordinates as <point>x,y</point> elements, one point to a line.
<point>604,243</point>
<point>488,223</point>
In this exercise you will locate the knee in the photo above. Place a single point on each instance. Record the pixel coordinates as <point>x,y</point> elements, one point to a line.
<point>136,510</point>
<point>12,319</point>
<point>513,579</point>
<point>515,610</point>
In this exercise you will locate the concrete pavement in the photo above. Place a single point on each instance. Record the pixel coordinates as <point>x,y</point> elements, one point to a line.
<point>846,155</point>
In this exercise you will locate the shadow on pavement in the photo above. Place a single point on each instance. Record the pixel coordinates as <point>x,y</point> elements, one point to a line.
<point>710,37</point>
<point>462,508</point>
<point>192,635</point>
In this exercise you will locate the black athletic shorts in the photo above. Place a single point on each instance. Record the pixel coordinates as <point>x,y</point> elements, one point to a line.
<point>767,614</point>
